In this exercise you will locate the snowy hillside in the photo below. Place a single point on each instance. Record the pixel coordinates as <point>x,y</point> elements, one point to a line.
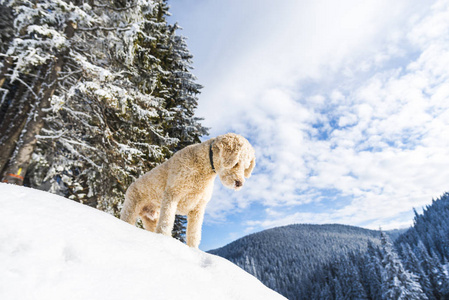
<point>53,248</point>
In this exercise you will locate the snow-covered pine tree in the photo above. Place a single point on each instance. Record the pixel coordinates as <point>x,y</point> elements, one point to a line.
<point>167,66</point>
<point>33,54</point>
<point>350,278</point>
<point>412,264</point>
<point>433,270</point>
<point>397,283</point>
<point>81,154</point>
<point>183,90</point>
<point>338,291</point>
<point>160,58</point>
<point>110,122</point>
<point>179,228</point>
<point>325,292</point>
<point>372,275</point>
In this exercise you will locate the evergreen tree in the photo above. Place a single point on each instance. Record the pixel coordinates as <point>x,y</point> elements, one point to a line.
<point>431,228</point>
<point>338,290</point>
<point>397,283</point>
<point>102,130</point>
<point>34,53</point>
<point>434,271</point>
<point>326,293</point>
<point>412,264</point>
<point>182,90</point>
<point>373,271</point>
<point>179,228</point>
<point>351,279</point>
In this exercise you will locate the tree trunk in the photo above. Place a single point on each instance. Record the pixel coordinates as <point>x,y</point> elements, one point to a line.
<point>14,120</point>
<point>7,63</point>
<point>19,163</point>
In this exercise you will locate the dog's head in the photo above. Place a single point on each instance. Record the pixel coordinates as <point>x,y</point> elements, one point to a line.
<point>234,158</point>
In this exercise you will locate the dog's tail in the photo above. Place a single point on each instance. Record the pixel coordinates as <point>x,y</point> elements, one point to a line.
<point>128,213</point>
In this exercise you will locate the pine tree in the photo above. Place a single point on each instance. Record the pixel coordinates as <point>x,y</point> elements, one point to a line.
<point>351,279</point>
<point>397,283</point>
<point>338,290</point>
<point>35,52</point>
<point>93,137</point>
<point>325,293</point>
<point>179,228</point>
<point>412,264</point>
<point>433,270</point>
<point>172,80</point>
<point>182,93</point>
<point>372,275</point>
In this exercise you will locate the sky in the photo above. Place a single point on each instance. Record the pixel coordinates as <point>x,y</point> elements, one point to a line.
<point>345,102</point>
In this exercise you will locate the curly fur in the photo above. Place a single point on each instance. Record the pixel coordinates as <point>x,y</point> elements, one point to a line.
<point>184,183</point>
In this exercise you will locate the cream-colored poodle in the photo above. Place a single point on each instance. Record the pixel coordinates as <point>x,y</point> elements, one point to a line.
<point>183,184</point>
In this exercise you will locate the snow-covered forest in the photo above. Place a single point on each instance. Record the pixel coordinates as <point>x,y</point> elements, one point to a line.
<point>414,266</point>
<point>280,257</point>
<point>92,95</point>
<point>343,262</point>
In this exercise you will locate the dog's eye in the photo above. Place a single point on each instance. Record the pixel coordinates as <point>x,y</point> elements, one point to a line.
<point>236,165</point>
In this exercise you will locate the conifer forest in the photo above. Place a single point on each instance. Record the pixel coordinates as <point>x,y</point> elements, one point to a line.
<point>345,262</point>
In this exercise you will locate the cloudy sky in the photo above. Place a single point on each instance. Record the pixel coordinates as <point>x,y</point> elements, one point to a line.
<point>346,103</point>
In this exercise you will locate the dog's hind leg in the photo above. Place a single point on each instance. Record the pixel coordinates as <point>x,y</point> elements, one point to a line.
<point>149,216</point>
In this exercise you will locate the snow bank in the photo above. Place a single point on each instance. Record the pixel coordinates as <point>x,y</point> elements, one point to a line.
<point>54,248</point>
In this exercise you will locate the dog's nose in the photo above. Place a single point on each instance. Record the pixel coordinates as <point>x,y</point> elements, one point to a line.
<point>238,183</point>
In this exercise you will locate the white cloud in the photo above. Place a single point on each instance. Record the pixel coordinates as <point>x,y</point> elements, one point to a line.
<point>270,46</point>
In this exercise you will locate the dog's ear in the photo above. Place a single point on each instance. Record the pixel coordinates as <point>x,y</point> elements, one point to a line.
<point>229,147</point>
<point>250,169</point>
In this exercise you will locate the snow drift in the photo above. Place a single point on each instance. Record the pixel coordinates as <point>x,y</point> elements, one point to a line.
<point>54,248</point>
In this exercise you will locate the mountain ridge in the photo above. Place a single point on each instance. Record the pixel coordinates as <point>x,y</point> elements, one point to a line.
<point>282,256</point>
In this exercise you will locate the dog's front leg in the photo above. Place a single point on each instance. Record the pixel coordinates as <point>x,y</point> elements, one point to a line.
<point>194,223</point>
<point>167,217</point>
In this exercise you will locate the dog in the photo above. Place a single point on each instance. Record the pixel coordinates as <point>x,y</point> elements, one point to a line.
<point>183,184</point>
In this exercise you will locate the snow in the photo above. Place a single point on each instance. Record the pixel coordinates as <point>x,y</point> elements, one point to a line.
<point>54,248</point>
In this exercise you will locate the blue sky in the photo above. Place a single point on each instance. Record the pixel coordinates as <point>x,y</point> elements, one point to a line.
<point>345,102</point>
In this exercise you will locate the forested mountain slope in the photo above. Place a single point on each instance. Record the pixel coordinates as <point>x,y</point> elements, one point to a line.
<point>282,256</point>
<point>345,262</point>
<point>431,228</point>
<point>413,267</point>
